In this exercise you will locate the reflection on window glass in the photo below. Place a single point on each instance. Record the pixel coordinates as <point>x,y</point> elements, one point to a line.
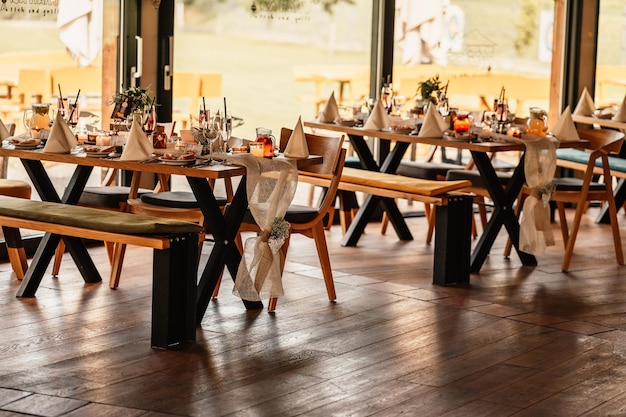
<point>478,49</point>
<point>275,65</point>
<point>611,55</point>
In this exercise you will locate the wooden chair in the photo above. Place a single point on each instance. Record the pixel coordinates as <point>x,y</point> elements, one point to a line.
<point>177,205</point>
<point>581,191</point>
<point>14,188</point>
<point>309,221</point>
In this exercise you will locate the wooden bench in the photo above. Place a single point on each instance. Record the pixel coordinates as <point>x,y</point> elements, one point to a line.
<point>453,213</point>
<point>174,258</point>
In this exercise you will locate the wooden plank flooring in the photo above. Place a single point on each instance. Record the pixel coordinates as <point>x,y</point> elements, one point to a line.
<point>519,341</point>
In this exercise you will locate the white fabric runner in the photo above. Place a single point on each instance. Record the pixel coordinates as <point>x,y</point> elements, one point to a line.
<point>271,186</point>
<point>539,168</point>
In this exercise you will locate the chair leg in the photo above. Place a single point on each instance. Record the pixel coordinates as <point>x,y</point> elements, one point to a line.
<point>617,240</point>
<point>116,267</point>
<point>58,257</point>
<point>110,247</point>
<point>563,220</point>
<point>518,211</point>
<point>384,224</point>
<point>322,252</point>
<point>15,251</point>
<point>430,216</point>
<point>571,240</point>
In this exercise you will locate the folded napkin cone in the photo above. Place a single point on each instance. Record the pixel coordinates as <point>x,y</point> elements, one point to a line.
<point>138,147</point>
<point>620,114</point>
<point>434,124</point>
<point>585,106</point>
<point>564,129</point>
<point>330,111</point>
<point>378,119</point>
<point>296,146</point>
<point>61,139</point>
<point>4,132</point>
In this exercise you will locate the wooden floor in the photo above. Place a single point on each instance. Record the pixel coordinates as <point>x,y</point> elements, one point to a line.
<point>518,341</point>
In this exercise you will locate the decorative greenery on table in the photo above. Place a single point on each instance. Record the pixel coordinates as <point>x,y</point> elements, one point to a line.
<point>137,98</point>
<point>430,88</point>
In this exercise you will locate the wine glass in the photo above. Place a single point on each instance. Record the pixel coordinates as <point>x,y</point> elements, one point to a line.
<point>398,104</point>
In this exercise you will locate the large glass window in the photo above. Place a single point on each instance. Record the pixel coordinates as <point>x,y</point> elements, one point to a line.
<point>47,49</point>
<point>611,55</point>
<point>477,48</point>
<point>275,65</point>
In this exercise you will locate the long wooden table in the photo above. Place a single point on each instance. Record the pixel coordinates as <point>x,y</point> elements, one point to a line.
<point>503,198</point>
<point>223,226</point>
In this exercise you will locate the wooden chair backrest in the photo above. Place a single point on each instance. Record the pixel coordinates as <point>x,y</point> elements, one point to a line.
<point>334,155</point>
<point>608,140</point>
<point>210,85</point>
<point>186,86</point>
<point>34,82</point>
<point>326,146</point>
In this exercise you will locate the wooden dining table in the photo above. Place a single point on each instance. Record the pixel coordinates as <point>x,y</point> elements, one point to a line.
<point>224,226</point>
<point>392,149</point>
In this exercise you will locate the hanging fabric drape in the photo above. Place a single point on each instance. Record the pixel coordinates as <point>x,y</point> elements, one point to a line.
<point>271,186</point>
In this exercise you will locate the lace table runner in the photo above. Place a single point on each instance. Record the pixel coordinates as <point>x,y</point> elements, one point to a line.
<point>271,186</point>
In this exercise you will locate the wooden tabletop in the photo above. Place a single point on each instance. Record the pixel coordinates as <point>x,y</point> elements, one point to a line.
<point>438,141</point>
<point>590,120</point>
<point>154,166</point>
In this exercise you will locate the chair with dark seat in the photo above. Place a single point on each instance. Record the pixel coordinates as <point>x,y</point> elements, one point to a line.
<point>306,220</point>
<point>14,188</point>
<point>582,191</point>
<point>178,205</point>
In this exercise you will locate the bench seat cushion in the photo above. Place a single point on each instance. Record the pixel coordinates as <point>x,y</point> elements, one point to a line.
<point>475,178</point>
<point>425,170</point>
<point>400,183</point>
<point>582,157</point>
<point>107,197</point>
<point>93,218</point>
<point>176,199</point>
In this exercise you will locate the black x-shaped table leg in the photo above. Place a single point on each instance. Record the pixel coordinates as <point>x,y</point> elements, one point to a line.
<point>224,228</point>
<point>367,210</point>
<point>47,247</point>
<point>503,213</point>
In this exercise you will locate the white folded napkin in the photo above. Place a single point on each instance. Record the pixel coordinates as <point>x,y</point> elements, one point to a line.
<point>378,119</point>
<point>296,146</point>
<point>620,114</point>
<point>138,146</point>
<point>61,139</point>
<point>4,132</point>
<point>434,124</point>
<point>585,106</point>
<point>564,129</point>
<point>330,111</point>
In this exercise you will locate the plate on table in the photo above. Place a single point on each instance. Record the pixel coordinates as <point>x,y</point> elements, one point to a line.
<point>347,122</point>
<point>169,161</point>
<point>463,137</point>
<point>402,130</point>
<point>98,151</point>
<point>25,143</point>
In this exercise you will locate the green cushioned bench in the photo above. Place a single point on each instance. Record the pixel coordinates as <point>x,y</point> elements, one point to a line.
<point>174,257</point>
<point>453,212</point>
<point>578,159</point>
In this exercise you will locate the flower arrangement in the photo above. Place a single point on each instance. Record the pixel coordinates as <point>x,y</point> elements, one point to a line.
<point>430,88</point>
<point>131,100</point>
<point>278,234</point>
